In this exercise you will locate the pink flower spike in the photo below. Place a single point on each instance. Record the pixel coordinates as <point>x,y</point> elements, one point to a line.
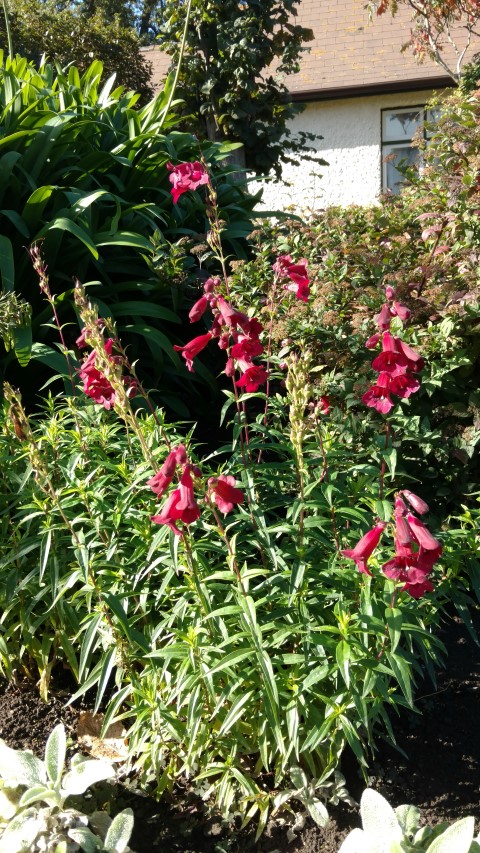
<point>365,547</point>
<point>186,176</point>
<point>422,535</point>
<point>198,310</point>
<point>225,495</point>
<point>190,350</point>
<point>417,503</point>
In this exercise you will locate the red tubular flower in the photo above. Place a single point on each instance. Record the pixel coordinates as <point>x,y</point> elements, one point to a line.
<point>365,547</point>
<point>190,350</point>
<point>95,384</point>
<point>179,506</point>
<point>378,396</point>
<point>160,482</point>
<point>198,310</point>
<point>401,311</point>
<point>224,493</point>
<point>404,385</point>
<point>415,361</point>
<point>323,406</point>
<point>246,348</point>
<point>417,503</point>
<point>186,176</point>
<point>383,319</point>
<point>372,342</point>
<point>254,376</point>
<point>422,535</point>
<point>187,505</point>
<point>296,272</point>
<point>390,359</point>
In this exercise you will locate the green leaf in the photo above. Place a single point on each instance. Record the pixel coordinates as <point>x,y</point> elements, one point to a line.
<point>394,619</point>
<point>55,752</point>
<point>7,264</point>
<point>64,224</point>
<point>119,832</point>
<point>22,342</point>
<point>343,654</point>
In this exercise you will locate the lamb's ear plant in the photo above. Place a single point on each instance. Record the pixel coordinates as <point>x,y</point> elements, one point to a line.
<point>34,814</point>
<point>388,830</point>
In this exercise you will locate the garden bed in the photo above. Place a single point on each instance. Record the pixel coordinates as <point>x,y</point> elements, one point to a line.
<point>439,774</point>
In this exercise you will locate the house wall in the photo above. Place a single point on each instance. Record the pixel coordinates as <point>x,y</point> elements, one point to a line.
<point>351,130</point>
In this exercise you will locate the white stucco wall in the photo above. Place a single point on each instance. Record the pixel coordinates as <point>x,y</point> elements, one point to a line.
<point>351,130</point>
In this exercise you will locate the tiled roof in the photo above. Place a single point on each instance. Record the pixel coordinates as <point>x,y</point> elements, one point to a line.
<point>349,50</point>
<point>349,53</point>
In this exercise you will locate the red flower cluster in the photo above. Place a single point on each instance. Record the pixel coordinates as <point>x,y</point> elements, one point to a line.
<point>396,364</point>
<point>95,384</point>
<point>186,176</point>
<point>233,331</point>
<point>284,267</point>
<point>416,550</point>
<point>181,504</point>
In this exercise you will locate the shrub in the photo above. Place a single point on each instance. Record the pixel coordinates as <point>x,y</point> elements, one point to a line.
<point>245,650</point>
<point>84,175</point>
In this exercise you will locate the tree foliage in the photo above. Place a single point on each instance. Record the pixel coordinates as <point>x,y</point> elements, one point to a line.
<point>236,57</point>
<point>70,33</point>
<point>437,24</point>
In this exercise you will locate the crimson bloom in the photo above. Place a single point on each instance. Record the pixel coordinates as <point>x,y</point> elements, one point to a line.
<point>224,493</point>
<point>190,350</point>
<point>296,272</point>
<point>186,176</point>
<point>254,376</point>
<point>179,506</point>
<point>160,482</point>
<point>198,310</point>
<point>365,547</point>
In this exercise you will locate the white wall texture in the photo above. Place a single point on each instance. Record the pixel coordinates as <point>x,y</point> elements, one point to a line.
<point>351,130</point>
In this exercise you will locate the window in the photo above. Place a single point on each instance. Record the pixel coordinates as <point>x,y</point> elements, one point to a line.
<point>398,129</point>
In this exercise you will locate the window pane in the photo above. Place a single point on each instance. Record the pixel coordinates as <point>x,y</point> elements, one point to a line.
<point>401,124</point>
<point>393,155</point>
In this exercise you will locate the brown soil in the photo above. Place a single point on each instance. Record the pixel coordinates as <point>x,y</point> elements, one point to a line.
<point>439,772</point>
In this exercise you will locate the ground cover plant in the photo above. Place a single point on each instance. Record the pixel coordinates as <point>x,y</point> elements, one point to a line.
<point>250,609</point>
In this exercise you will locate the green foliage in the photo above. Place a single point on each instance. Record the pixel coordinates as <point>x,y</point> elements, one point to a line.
<point>227,81</point>
<point>425,244</point>
<point>83,174</point>
<point>33,811</point>
<point>68,37</point>
<point>387,830</point>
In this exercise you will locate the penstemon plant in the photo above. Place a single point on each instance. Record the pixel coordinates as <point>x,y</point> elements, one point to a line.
<point>226,623</point>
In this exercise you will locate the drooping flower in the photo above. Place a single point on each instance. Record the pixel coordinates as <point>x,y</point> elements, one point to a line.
<point>224,493</point>
<point>417,503</point>
<point>193,348</point>
<point>160,482</point>
<point>323,406</point>
<point>365,547</point>
<point>95,384</point>
<point>198,310</point>
<point>179,506</point>
<point>254,376</point>
<point>296,272</point>
<point>422,535</point>
<point>246,348</point>
<point>186,176</point>
<point>378,396</point>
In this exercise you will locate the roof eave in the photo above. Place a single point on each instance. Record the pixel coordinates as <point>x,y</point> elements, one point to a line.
<point>358,91</point>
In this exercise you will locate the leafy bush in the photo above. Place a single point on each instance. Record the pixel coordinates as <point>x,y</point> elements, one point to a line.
<point>83,173</point>
<point>33,811</point>
<point>425,244</point>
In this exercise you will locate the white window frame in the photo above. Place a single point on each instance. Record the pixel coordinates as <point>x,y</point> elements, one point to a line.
<point>389,145</point>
